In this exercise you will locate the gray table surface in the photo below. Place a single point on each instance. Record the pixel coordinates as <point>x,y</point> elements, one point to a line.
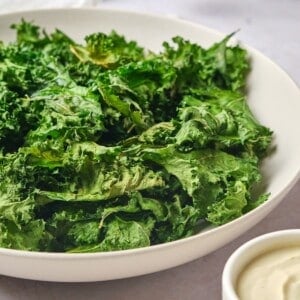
<point>271,26</point>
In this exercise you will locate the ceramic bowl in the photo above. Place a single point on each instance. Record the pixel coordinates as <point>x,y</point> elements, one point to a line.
<point>251,250</point>
<point>272,95</point>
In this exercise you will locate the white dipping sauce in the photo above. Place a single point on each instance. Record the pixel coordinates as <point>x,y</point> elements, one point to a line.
<point>274,275</point>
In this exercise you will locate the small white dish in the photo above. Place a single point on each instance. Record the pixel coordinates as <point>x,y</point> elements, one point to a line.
<point>251,250</point>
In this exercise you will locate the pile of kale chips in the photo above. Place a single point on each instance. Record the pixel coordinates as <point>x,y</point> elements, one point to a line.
<point>106,146</point>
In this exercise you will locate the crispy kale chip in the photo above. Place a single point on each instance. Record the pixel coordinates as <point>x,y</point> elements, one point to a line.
<point>106,146</point>
<point>108,50</point>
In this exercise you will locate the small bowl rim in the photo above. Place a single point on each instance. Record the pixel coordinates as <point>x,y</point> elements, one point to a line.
<point>228,286</point>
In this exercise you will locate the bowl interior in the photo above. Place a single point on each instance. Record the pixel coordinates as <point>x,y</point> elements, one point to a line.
<point>272,95</point>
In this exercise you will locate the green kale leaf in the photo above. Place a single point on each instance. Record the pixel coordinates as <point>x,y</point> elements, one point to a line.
<point>108,146</point>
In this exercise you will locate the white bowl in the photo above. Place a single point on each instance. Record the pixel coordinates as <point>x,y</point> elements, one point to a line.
<point>273,97</point>
<point>249,251</point>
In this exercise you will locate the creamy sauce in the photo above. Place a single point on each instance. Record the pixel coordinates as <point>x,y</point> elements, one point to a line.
<point>274,275</point>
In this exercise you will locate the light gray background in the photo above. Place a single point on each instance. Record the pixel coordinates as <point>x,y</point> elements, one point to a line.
<point>271,26</point>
